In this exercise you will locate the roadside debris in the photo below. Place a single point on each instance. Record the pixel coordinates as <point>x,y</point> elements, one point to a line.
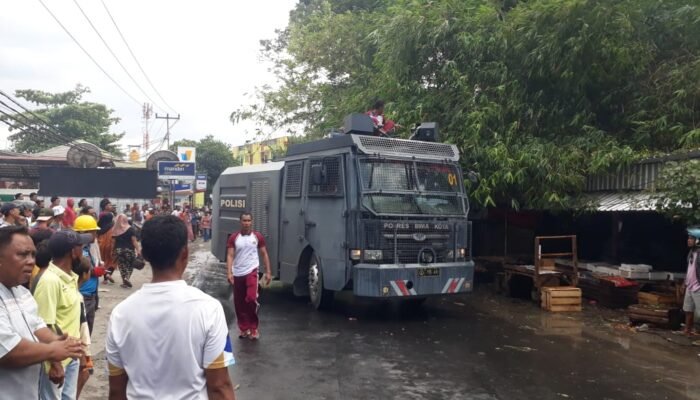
<point>523,349</point>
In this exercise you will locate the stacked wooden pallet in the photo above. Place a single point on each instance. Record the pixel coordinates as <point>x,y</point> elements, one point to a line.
<point>656,298</point>
<point>667,316</point>
<point>561,299</point>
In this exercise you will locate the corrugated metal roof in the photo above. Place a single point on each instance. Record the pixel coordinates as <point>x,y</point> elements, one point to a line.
<point>62,152</point>
<point>619,201</point>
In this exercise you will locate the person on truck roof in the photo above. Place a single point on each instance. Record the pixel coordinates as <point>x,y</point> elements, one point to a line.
<point>382,126</point>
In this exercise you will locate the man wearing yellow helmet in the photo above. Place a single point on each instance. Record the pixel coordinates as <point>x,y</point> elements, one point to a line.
<point>88,288</point>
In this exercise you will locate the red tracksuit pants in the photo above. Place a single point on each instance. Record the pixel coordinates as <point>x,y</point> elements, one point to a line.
<point>245,300</point>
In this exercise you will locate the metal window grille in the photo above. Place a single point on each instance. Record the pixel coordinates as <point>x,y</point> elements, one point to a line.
<point>293,180</point>
<point>401,147</point>
<point>260,195</point>
<point>333,179</point>
<point>387,175</point>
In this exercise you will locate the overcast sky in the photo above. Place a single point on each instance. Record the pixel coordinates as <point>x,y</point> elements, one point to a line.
<point>202,57</point>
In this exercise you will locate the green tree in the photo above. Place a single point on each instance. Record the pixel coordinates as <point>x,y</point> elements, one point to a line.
<point>213,157</point>
<point>537,94</point>
<point>67,114</point>
<point>677,191</point>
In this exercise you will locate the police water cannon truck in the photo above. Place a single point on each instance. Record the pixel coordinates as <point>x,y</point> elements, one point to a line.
<point>383,217</point>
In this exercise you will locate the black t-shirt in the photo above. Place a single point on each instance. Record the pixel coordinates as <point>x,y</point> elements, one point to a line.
<point>123,241</point>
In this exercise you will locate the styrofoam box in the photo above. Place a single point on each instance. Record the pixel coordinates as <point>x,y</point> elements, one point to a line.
<point>633,274</point>
<point>636,268</point>
<point>661,275</point>
<point>587,267</point>
<point>607,271</point>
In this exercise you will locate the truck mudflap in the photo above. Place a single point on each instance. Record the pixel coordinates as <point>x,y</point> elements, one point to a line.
<point>402,280</point>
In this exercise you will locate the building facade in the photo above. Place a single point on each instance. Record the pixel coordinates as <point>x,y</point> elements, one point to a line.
<point>260,152</point>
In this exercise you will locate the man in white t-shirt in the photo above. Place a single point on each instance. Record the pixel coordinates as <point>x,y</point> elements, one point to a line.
<point>244,250</point>
<point>168,340</point>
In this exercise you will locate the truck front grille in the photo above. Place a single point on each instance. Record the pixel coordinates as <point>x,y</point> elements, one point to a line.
<point>404,246</point>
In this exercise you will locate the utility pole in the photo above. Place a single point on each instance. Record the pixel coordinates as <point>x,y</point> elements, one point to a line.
<point>167,119</point>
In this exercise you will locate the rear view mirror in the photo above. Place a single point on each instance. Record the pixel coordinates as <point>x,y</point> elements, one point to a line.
<point>473,176</point>
<point>318,174</point>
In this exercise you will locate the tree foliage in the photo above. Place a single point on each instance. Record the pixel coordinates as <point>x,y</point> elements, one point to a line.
<point>213,157</point>
<point>677,191</point>
<point>537,94</point>
<point>72,118</point>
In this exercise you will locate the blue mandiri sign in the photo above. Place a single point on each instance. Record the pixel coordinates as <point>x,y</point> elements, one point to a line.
<point>176,170</point>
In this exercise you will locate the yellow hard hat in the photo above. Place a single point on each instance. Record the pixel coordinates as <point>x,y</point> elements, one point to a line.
<point>85,223</point>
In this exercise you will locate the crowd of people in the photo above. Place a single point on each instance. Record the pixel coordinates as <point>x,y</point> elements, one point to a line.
<point>53,260</point>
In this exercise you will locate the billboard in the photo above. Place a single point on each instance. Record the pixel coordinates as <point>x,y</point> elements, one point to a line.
<point>187,154</point>
<point>130,183</point>
<point>175,170</point>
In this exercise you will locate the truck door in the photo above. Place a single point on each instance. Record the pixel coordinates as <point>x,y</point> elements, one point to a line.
<point>325,223</point>
<point>292,240</point>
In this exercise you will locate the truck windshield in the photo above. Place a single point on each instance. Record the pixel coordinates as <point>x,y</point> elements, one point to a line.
<point>408,187</point>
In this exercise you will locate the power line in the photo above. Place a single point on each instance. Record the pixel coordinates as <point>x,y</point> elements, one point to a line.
<point>47,129</point>
<point>15,124</point>
<point>45,134</point>
<point>136,59</point>
<point>88,54</point>
<point>94,28</point>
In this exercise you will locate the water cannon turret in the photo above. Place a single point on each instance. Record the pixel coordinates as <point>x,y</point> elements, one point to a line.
<point>359,124</point>
<point>427,132</point>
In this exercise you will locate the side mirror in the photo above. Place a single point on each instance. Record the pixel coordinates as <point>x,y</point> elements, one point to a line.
<point>473,176</point>
<point>318,174</point>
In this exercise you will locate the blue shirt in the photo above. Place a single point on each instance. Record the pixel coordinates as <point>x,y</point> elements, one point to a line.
<point>89,287</point>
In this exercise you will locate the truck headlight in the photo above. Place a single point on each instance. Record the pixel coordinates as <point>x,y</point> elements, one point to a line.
<point>355,254</point>
<point>374,255</point>
<point>462,253</point>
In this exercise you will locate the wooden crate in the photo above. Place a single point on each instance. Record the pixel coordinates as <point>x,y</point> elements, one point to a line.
<point>547,264</point>
<point>663,315</point>
<point>656,298</point>
<point>561,299</point>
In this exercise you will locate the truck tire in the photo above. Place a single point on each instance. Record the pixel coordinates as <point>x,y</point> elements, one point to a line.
<point>321,298</point>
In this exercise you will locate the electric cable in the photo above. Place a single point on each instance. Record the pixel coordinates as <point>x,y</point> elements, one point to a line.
<point>87,53</point>
<point>47,129</point>
<point>136,59</point>
<point>109,48</point>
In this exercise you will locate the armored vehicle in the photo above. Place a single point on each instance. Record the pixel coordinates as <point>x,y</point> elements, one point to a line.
<point>383,217</point>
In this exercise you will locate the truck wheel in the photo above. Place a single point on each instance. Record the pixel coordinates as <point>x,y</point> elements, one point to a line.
<point>321,299</point>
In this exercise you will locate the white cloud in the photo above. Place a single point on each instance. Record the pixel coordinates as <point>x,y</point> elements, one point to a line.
<point>202,57</point>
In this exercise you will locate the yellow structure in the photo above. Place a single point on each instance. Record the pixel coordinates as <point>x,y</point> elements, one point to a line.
<point>260,152</point>
<point>199,200</point>
<point>134,156</point>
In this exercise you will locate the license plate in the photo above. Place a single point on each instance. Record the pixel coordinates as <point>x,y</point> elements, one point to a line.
<point>423,272</point>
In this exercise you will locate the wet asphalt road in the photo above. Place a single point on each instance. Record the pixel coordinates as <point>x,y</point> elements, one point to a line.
<point>477,346</point>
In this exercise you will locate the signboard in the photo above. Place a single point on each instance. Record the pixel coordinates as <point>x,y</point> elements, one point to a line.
<point>182,187</point>
<point>175,170</point>
<point>187,154</point>
<point>201,183</point>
